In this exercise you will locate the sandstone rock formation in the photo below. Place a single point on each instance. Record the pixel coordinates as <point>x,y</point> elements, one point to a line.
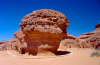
<point>13,44</point>
<point>68,42</point>
<point>97,26</point>
<point>2,42</point>
<point>69,36</point>
<point>23,45</point>
<point>41,31</point>
<point>2,45</point>
<point>87,40</point>
<point>90,39</point>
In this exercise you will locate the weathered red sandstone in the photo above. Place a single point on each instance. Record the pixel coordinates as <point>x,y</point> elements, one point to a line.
<point>97,26</point>
<point>13,44</point>
<point>68,42</point>
<point>69,36</point>
<point>90,39</point>
<point>42,30</point>
<point>87,40</point>
<point>2,45</point>
<point>2,42</point>
<point>23,45</point>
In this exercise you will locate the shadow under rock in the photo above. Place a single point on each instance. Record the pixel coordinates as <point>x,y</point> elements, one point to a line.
<point>63,52</point>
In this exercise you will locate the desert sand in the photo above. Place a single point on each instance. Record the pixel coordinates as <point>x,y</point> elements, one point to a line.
<point>79,57</point>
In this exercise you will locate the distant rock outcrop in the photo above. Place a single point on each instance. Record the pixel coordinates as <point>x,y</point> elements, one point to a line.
<point>87,40</point>
<point>2,42</point>
<point>90,39</point>
<point>68,42</point>
<point>69,36</point>
<point>13,44</point>
<point>2,45</point>
<point>41,31</point>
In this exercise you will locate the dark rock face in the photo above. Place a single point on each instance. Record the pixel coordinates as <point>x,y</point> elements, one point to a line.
<point>42,30</point>
<point>97,26</point>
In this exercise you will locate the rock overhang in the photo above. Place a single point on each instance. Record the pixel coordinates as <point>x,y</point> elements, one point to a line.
<point>42,31</point>
<point>44,18</point>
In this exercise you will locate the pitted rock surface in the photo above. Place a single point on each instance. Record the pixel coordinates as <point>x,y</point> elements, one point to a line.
<point>45,20</point>
<point>42,31</point>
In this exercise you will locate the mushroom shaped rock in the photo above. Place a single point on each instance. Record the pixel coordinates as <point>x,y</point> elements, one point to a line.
<point>42,30</point>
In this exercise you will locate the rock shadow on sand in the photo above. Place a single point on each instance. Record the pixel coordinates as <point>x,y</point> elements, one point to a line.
<point>63,52</point>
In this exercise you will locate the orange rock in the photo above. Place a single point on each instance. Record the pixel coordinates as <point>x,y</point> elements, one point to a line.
<point>42,31</point>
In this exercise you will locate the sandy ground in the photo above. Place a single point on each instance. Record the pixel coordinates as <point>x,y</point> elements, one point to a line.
<point>80,57</point>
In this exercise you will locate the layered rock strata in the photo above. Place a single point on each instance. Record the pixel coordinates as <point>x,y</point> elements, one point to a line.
<point>87,40</point>
<point>42,31</point>
<point>90,39</point>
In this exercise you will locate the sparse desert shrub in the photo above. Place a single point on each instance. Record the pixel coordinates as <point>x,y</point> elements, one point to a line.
<point>95,53</point>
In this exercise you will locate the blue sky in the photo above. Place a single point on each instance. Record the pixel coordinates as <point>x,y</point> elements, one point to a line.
<point>83,15</point>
